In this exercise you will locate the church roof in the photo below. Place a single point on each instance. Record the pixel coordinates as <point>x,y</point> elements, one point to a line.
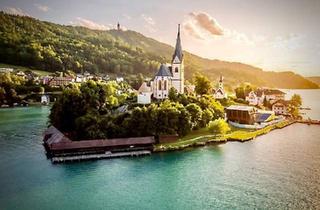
<point>164,71</point>
<point>178,49</point>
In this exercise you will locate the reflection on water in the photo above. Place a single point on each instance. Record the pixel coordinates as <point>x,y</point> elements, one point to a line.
<point>280,170</point>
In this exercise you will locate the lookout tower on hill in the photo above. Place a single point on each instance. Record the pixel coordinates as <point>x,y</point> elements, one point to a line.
<point>118,26</point>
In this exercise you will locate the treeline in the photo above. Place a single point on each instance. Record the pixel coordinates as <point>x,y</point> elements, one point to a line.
<point>15,89</point>
<point>90,111</point>
<point>28,42</point>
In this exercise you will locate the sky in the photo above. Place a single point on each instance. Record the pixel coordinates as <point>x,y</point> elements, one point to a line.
<point>276,35</point>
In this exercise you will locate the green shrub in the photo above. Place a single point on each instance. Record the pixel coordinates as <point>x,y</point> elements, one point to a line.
<point>218,126</point>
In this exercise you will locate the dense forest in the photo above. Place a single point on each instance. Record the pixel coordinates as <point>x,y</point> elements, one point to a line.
<point>42,45</point>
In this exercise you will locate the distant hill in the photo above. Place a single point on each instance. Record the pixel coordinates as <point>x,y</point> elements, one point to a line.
<point>314,79</point>
<point>26,41</point>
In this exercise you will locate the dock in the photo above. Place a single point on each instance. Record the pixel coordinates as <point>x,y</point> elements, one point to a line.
<point>106,155</point>
<point>309,122</point>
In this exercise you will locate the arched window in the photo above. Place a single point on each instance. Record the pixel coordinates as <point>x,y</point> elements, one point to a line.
<point>159,85</point>
<point>165,85</point>
<point>176,70</point>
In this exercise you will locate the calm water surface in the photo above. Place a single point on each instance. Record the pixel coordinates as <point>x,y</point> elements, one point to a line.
<point>280,170</point>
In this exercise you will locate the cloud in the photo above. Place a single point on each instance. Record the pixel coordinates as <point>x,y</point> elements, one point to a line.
<point>202,26</point>
<point>150,23</point>
<point>192,30</point>
<point>148,19</point>
<point>126,16</point>
<point>42,8</point>
<point>89,24</point>
<point>15,11</point>
<point>206,22</point>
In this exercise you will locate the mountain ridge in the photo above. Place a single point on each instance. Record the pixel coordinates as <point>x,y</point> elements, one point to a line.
<point>49,46</point>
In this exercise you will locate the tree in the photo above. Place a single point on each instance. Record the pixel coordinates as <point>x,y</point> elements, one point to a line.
<point>195,113</point>
<point>203,84</point>
<point>207,116</point>
<point>296,100</point>
<point>218,127</point>
<point>173,94</point>
<point>244,89</point>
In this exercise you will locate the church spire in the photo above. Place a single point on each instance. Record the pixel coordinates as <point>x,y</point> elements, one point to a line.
<point>178,49</point>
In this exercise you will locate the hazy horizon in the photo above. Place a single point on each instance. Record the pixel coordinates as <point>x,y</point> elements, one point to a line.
<point>273,35</point>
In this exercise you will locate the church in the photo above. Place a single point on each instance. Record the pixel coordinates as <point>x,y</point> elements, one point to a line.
<point>168,76</point>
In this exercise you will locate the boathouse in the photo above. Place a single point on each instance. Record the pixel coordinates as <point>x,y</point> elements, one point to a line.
<point>241,114</point>
<point>57,145</point>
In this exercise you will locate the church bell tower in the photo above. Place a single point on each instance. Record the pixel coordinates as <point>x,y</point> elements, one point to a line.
<point>177,66</point>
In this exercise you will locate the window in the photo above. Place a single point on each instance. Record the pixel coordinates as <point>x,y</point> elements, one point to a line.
<point>159,85</point>
<point>176,70</point>
<point>165,85</point>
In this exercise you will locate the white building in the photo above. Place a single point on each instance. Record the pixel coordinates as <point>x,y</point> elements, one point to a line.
<point>119,79</point>
<point>219,92</point>
<point>80,78</point>
<point>255,98</point>
<point>168,76</point>
<point>272,95</point>
<point>280,107</point>
<point>144,94</point>
<point>162,83</point>
<point>45,99</point>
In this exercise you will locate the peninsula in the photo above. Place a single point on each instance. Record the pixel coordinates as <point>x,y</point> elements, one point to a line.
<point>104,119</point>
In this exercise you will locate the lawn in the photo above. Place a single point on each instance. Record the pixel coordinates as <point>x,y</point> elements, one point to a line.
<point>203,136</point>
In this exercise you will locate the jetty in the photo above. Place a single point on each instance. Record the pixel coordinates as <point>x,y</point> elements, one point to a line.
<point>309,121</point>
<point>100,156</point>
<point>62,149</point>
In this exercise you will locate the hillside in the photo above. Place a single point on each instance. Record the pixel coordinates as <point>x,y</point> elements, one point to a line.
<point>314,79</point>
<point>26,41</point>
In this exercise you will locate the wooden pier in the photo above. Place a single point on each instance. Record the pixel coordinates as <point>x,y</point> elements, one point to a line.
<point>100,156</point>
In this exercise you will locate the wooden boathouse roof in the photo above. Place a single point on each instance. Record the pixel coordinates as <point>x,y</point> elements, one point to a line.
<point>56,141</point>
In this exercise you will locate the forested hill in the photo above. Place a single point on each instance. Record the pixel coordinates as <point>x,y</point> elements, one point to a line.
<point>314,79</point>
<point>38,44</point>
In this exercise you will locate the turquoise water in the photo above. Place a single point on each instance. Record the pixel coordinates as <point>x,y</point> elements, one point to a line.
<point>280,170</point>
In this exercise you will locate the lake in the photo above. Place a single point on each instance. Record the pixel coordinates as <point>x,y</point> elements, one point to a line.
<point>280,170</point>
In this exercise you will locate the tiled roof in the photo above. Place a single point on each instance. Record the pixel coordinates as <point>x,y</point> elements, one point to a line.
<point>163,71</point>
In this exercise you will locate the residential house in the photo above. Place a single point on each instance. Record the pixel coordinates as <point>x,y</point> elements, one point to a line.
<point>255,97</point>
<point>280,107</point>
<point>144,94</point>
<point>60,81</point>
<point>273,95</point>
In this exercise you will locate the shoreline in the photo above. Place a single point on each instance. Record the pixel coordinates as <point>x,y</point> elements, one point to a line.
<point>233,136</point>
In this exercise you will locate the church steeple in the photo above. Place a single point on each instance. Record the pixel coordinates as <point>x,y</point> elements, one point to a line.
<point>178,49</point>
